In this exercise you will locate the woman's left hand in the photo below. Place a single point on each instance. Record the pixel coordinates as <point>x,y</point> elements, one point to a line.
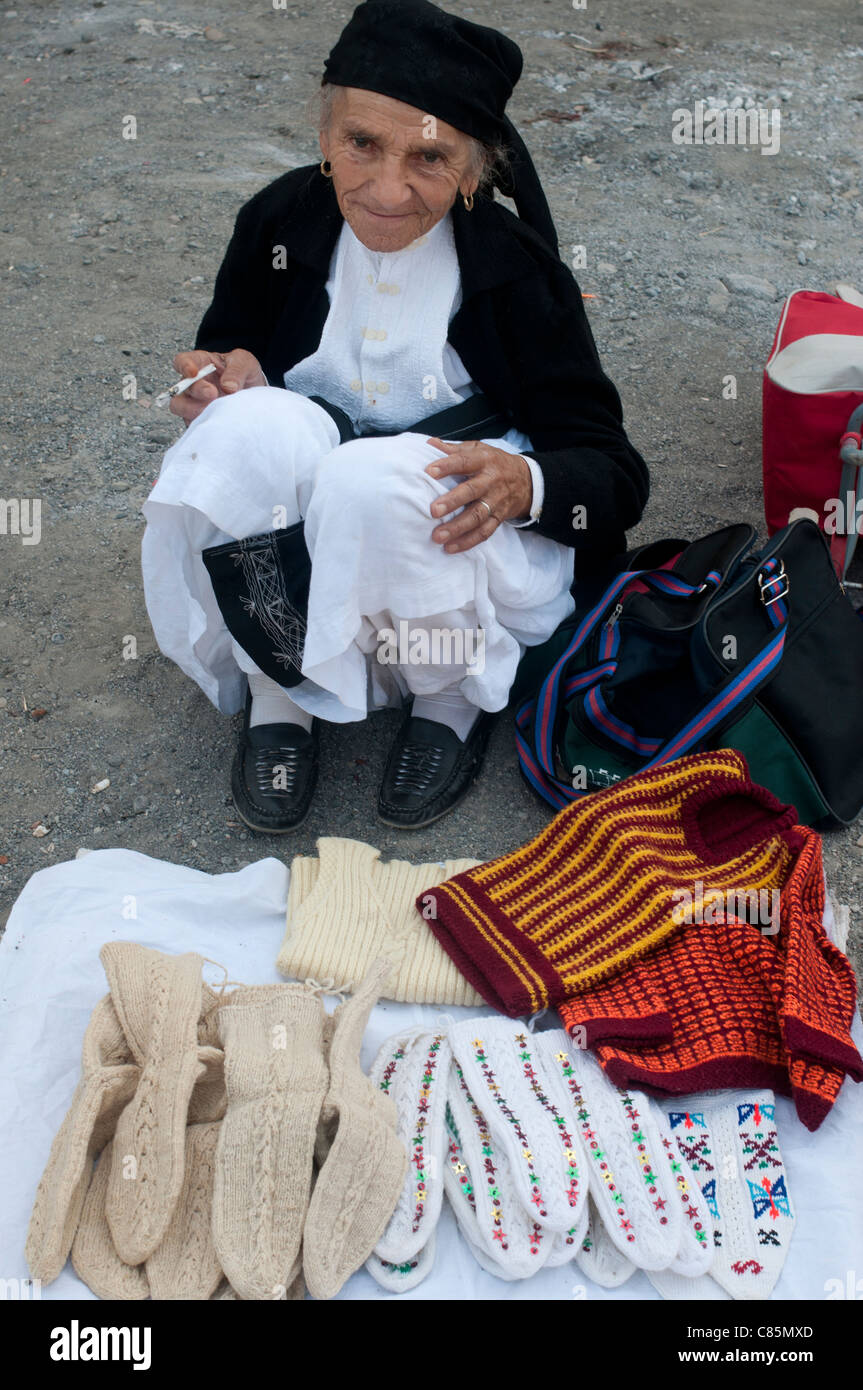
<point>493,477</point>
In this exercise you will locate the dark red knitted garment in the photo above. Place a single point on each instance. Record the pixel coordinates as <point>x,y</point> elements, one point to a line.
<point>726,1005</point>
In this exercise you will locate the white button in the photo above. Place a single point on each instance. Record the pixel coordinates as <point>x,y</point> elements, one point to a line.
<point>356,385</point>
<point>377,335</point>
<point>383,387</point>
<point>385,288</point>
<point>370,385</point>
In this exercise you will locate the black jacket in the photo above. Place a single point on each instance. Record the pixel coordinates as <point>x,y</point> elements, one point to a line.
<point>521,332</point>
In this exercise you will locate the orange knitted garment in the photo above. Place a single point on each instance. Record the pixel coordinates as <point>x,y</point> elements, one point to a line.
<point>726,1003</point>
<point>598,887</point>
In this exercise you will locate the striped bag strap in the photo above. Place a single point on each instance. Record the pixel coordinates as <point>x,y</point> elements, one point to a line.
<point>536,754</point>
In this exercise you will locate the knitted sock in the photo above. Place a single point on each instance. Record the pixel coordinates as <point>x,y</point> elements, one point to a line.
<point>500,1062</point>
<point>209,1100</point>
<point>185,1264</point>
<point>276,1082</point>
<point>402,1277</point>
<point>630,1180</point>
<point>295,1292</point>
<point>462,1190</point>
<point>677,1289</point>
<point>158,1001</point>
<point>406,1274</point>
<point>731,1144</point>
<point>599,1258</point>
<point>359,1185</point>
<point>108,1081</point>
<point>696,1252</point>
<point>94,1258</point>
<point>564,1248</point>
<point>271,704</point>
<point>325,1132</point>
<point>414,1076</point>
<point>481,1188</point>
<point>448,707</point>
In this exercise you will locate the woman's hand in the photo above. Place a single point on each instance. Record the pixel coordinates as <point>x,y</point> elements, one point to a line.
<point>234,372</point>
<point>493,477</point>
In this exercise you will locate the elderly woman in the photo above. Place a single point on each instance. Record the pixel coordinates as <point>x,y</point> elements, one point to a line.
<point>408,438</point>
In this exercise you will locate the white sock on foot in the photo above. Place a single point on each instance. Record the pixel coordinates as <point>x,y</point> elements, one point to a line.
<point>271,704</point>
<point>448,707</point>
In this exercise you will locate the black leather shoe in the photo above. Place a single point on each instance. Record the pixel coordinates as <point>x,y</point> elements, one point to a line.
<point>274,775</point>
<point>430,770</point>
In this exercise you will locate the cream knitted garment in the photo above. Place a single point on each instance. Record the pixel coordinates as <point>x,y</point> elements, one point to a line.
<point>359,1183</point>
<point>109,1076</point>
<point>276,1080</point>
<point>346,908</point>
<point>158,1001</point>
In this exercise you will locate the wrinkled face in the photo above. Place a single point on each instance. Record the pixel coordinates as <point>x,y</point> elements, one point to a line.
<point>396,170</point>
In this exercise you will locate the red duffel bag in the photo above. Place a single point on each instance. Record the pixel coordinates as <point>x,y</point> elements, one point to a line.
<point>813,416</point>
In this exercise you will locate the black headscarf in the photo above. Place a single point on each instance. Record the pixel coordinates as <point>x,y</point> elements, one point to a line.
<point>462,73</point>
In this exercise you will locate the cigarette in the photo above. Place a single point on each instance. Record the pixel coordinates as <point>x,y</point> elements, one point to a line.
<point>180,386</point>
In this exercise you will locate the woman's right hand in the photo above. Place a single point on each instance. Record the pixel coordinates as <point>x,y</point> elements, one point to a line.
<point>235,371</point>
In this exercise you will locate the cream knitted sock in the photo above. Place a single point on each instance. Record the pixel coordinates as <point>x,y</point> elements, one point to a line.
<point>94,1258</point>
<point>276,1082</point>
<point>158,1001</point>
<point>326,1128</point>
<point>185,1264</point>
<point>357,1189</point>
<point>293,1294</point>
<point>108,1081</point>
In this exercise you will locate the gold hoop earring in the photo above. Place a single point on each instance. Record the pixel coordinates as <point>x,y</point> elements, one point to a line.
<point>468,201</point>
<point>326,169</point>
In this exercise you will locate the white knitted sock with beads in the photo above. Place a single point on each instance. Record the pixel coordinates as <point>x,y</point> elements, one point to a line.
<point>695,1255</point>
<point>598,1257</point>
<point>480,1185</point>
<point>630,1179</point>
<point>417,1088</point>
<point>501,1063</point>
<point>679,1290</point>
<point>403,1277</point>
<point>565,1247</point>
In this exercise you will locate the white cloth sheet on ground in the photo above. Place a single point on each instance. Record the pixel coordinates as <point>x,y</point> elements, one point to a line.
<point>50,979</point>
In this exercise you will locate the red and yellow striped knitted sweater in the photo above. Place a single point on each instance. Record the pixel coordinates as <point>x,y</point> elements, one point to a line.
<point>730,1004</point>
<point>598,887</point>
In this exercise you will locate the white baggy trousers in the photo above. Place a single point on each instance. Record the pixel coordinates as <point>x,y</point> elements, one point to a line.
<point>266,457</point>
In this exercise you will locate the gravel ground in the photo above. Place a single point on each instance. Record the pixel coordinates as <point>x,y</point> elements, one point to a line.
<point>109,249</point>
